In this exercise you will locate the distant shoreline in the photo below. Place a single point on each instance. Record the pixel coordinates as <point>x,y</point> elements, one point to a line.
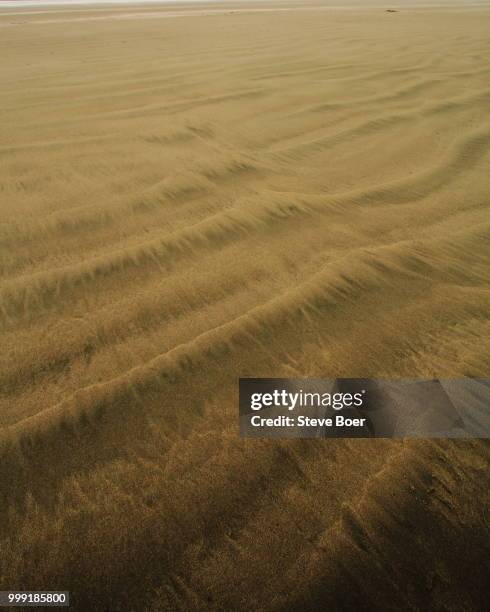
<point>335,4</point>
<point>313,4</point>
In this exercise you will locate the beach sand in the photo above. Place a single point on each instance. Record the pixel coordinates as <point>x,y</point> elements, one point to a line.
<point>193,194</point>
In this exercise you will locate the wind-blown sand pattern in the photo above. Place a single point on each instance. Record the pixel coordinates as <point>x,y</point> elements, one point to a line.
<point>259,190</point>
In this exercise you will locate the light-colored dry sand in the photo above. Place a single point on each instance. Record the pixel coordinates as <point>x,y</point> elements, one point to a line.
<point>273,190</point>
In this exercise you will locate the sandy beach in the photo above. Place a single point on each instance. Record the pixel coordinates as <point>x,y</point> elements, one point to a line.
<point>194,193</point>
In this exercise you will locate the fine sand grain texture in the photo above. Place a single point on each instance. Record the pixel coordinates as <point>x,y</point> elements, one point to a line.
<point>190,194</point>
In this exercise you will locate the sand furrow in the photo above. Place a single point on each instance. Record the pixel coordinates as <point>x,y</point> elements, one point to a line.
<point>43,289</point>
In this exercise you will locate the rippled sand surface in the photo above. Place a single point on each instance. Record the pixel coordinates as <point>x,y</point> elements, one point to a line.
<point>258,190</point>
